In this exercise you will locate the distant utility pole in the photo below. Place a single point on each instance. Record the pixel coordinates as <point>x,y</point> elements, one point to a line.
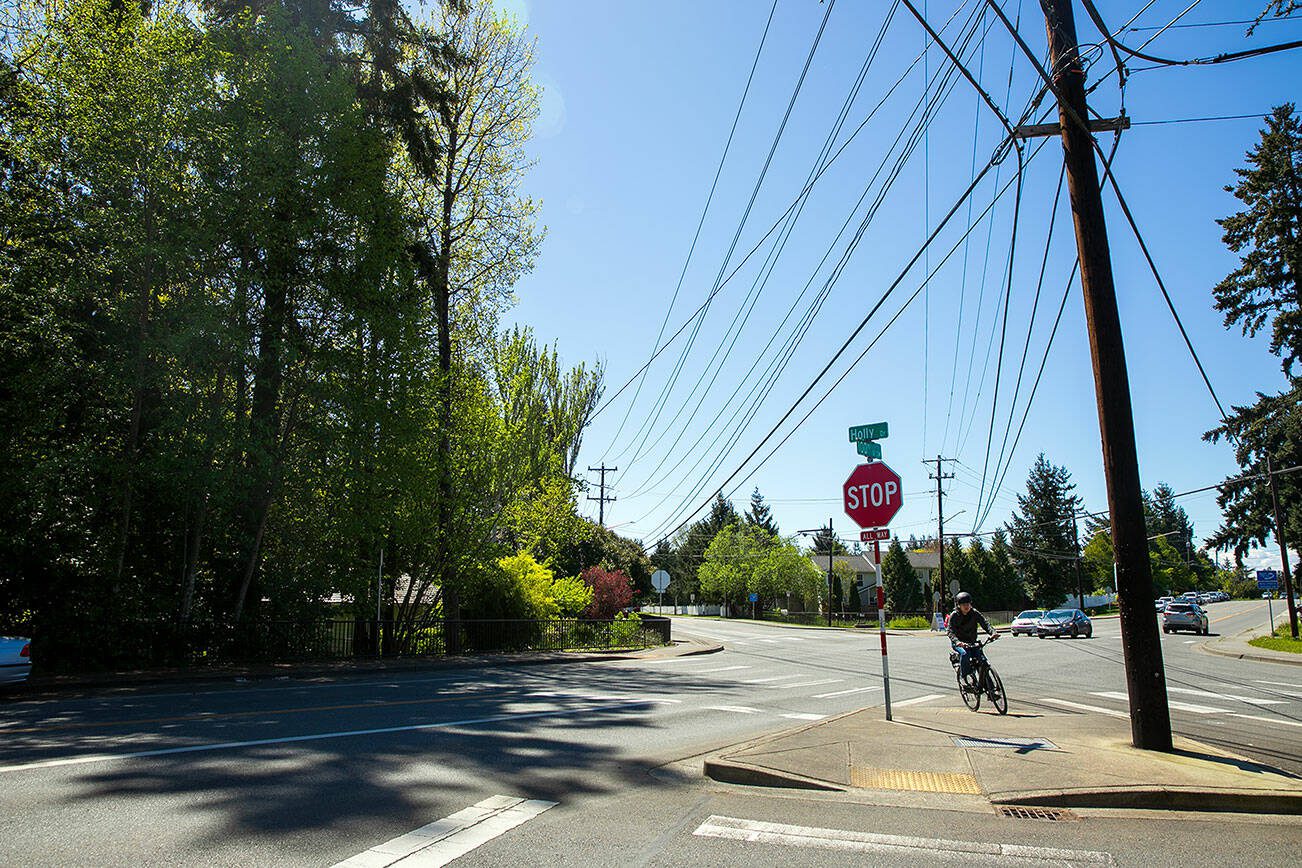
<point>1283,548</point>
<point>940,477</point>
<point>1150,717</point>
<point>1075,544</point>
<point>602,499</point>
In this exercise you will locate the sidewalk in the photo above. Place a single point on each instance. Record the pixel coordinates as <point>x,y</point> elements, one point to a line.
<point>1237,646</point>
<point>1049,759</point>
<point>340,668</point>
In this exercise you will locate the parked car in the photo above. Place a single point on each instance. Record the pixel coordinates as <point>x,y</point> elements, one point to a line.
<point>1024,623</point>
<point>1064,622</point>
<point>1205,599</point>
<point>15,659</point>
<point>1162,601</point>
<point>1185,615</point>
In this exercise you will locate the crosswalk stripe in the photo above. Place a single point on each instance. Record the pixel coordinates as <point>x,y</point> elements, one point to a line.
<point>803,716</point>
<point>1251,700</point>
<point>440,842</point>
<point>1178,706</point>
<point>845,692</point>
<point>737,709</point>
<point>774,678</point>
<point>720,669</point>
<point>917,700</point>
<point>1080,706</point>
<point>921,849</point>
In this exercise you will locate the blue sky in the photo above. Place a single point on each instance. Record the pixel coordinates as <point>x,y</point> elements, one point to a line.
<point>639,100</point>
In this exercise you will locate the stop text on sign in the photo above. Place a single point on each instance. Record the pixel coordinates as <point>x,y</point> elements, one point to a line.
<point>872,494</point>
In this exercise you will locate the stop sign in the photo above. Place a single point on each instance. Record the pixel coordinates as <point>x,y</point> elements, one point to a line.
<point>872,495</point>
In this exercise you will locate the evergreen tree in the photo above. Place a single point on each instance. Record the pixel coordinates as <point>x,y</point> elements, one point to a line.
<point>1041,533</point>
<point>826,542</point>
<point>1265,292</point>
<point>900,581</point>
<point>982,566</point>
<point>759,513</point>
<point>1004,586</point>
<point>959,567</point>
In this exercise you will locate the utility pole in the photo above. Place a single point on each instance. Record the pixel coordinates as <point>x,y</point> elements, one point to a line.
<point>1075,544</point>
<point>1283,548</point>
<point>602,500</point>
<point>1150,717</point>
<point>940,477</point>
<point>831,547</point>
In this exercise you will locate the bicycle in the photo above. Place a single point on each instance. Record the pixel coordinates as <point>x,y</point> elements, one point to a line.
<point>982,680</point>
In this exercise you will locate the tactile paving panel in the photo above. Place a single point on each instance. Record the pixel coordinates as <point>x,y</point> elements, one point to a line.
<point>925,782</point>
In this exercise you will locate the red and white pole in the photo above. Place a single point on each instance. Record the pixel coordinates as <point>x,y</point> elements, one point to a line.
<point>881,626</point>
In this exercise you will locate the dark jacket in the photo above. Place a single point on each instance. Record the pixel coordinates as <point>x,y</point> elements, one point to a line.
<point>963,628</point>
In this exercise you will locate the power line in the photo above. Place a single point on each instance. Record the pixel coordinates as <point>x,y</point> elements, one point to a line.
<point>1224,57</point>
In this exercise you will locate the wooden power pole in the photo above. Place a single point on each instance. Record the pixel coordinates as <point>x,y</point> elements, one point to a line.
<point>1150,718</point>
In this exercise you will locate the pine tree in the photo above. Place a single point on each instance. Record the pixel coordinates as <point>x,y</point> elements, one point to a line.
<point>1041,533</point>
<point>958,567</point>
<point>1004,586</point>
<point>759,514</point>
<point>900,581</point>
<point>826,542</point>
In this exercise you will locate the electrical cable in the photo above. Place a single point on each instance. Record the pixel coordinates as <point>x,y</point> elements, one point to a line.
<point>1224,57</point>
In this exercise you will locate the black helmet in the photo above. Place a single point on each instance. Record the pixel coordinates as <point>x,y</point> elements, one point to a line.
<point>962,597</point>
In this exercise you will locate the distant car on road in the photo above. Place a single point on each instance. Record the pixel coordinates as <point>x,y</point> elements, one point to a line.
<point>15,659</point>
<point>1024,623</point>
<point>1162,601</point>
<point>1064,622</point>
<point>1185,615</point>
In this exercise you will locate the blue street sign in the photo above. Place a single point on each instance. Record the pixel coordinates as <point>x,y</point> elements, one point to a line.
<point>754,598</point>
<point>1267,580</point>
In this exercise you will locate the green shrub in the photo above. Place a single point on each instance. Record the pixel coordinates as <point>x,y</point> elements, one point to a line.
<point>911,622</point>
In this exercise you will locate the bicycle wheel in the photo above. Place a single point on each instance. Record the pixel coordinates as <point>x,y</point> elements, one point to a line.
<point>971,695</point>
<point>995,689</point>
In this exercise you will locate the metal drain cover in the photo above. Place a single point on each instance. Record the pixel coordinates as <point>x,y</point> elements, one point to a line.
<point>1018,744</point>
<point>1055,814</point>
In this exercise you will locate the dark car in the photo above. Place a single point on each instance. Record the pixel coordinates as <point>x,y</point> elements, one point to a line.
<point>1024,623</point>
<point>1064,622</point>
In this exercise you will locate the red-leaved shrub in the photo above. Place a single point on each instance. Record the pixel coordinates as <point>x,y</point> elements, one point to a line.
<point>611,592</point>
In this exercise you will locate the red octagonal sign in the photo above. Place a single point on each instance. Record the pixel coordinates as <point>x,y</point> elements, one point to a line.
<point>872,495</point>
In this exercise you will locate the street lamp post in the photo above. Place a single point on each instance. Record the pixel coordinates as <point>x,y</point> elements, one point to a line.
<point>830,540</point>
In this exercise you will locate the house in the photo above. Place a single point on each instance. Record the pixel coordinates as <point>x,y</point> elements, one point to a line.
<point>924,563</point>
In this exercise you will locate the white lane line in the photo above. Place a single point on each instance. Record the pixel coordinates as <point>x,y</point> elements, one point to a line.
<point>720,669</point>
<point>1178,706</point>
<point>319,736</point>
<point>1251,700</point>
<point>1271,720</point>
<point>451,837</point>
<point>796,684</point>
<point>1280,683</point>
<point>802,716</point>
<point>1082,707</point>
<point>845,692</point>
<point>917,700</point>
<point>928,850</point>
<point>736,709</point>
<point>820,682</point>
<point>774,678</point>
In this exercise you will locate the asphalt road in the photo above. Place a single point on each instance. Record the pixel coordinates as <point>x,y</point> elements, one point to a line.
<point>606,756</point>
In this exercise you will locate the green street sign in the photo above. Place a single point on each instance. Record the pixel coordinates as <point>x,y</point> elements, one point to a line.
<point>875,431</point>
<point>869,449</point>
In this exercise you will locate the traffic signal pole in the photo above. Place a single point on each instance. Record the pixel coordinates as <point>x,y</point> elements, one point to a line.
<point>1150,718</point>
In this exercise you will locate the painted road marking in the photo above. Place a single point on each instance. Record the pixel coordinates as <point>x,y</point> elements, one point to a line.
<point>1178,706</point>
<point>774,678</point>
<point>720,669</point>
<point>1082,707</point>
<point>319,736</point>
<point>1251,700</point>
<point>802,716</point>
<point>846,692</point>
<point>1271,720</point>
<point>736,709</point>
<point>924,849</point>
<point>451,837</point>
<point>917,700</point>
<point>818,683</point>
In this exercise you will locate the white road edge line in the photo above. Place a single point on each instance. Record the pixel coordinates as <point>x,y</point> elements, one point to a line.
<point>917,700</point>
<point>451,837</point>
<point>720,669</point>
<point>845,692</point>
<point>928,849</point>
<point>774,678</point>
<point>318,736</point>
<point>736,709</point>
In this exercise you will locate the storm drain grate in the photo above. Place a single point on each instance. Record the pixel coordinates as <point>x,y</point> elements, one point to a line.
<point>1019,744</point>
<point>1056,815</point>
<point>925,782</point>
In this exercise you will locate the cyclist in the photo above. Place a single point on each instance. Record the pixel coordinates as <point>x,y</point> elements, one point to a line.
<point>962,632</point>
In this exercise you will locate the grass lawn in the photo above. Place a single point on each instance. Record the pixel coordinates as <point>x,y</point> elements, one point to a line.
<point>1282,641</point>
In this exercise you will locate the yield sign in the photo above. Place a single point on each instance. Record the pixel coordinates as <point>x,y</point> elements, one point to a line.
<point>872,495</point>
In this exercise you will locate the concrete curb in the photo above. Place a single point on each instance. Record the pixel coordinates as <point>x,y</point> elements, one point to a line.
<point>1203,799</point>
<point>1237,647</point>
<point>732,772</point>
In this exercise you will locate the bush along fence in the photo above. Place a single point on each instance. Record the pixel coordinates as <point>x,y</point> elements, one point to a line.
<point>322,639</point>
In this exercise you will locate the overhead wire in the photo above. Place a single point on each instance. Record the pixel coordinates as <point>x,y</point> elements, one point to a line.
<point>1224,57</point>
<point>718,172</point>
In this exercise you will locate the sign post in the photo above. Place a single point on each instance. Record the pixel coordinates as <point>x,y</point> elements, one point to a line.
<point>660,581</point>
<point>873,495</point>
<point>1268,580</point>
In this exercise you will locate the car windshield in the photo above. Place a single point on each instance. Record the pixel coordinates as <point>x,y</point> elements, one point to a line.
<point>1059,614</point>
<point>1032,613</point>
